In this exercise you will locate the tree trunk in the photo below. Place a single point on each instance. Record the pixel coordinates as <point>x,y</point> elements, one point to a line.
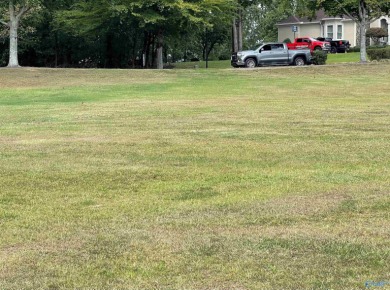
<point>159,50</point>
<point>204,46</point>
<point>145,52</point>
<point>237,32</point>
<point>109,55</point>
<point>56,50</point>
<point>363,29</point>
<point>13,43</point>
<point>234,36</point>
<point>13,25</point>
<point>152,63</point>
<point>363,43</point>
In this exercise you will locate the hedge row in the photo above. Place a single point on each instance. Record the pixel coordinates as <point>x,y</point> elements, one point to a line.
<point>379,54</point>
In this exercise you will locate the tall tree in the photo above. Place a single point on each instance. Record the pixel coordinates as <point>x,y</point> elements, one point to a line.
<point>215,30</point>
<point>259,20</point>
<point>103,25</point>
<point>363,12</point>
<point>237,27</point>
<point>155,19</point>
<point>262,15</point>
<point>169,16</point>
<point>14,13</point>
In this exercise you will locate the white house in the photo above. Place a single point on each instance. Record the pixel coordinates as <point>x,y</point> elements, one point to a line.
<point>322,25</point>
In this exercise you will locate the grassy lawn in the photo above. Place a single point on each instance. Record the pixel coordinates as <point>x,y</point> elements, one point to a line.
<point>195,179</point>
<point>213,64</point>
<point>353,57</point>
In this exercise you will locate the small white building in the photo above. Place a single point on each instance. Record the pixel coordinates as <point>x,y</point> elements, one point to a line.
<point>322,25</point>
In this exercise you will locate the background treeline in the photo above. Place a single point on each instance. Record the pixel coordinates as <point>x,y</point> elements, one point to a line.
<point>133,34</point>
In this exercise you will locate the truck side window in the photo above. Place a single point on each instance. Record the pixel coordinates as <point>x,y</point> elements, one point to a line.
<point>277,46</point>
<point>299,40</point>
<point>266,48</point>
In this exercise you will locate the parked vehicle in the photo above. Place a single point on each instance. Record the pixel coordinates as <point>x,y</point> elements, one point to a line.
<point>309,43</point>
<point>271,54</point>
<point>337,45</point>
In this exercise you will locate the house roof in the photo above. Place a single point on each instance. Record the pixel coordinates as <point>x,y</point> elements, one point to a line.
<point>319,16</point>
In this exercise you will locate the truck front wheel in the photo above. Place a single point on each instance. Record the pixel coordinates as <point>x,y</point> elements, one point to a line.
<point>250,63</point>
<point>299,61</point>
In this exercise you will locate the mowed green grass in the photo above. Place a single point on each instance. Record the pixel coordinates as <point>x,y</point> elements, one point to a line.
<point>195,179</point>
<point>337,58</point>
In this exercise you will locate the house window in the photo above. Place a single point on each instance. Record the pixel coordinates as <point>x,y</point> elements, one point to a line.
<point>339,31</point>
<point>330,31</point>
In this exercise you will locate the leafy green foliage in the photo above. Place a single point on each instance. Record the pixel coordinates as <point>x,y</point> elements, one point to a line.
<point>119,33</point>
<point>319,57</point>
<point>352,8</point>
<point>143,24</point>
<point>115,33</point>
<point>361,11</point>
<point>375,33</point>
<point>379,53</point>
<point>261,16</point>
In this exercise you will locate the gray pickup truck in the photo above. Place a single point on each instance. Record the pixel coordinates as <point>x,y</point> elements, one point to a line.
<point>271,54</point>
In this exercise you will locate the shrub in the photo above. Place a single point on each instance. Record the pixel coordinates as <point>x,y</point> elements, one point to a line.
<point>319,57</point>
<point>376,46</point>
<point>354,49</point>
<point>379,53</point>
<point>224,57</point>
<point>287,40</point>
<point>376,33</point>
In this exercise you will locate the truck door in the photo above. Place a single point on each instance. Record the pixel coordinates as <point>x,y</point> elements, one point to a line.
<point>265,56</point>
<point>279,53</point>
<point>302,43</point>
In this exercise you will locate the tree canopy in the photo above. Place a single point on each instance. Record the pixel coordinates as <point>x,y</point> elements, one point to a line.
<point>361,11</point>
<point>141,33</point>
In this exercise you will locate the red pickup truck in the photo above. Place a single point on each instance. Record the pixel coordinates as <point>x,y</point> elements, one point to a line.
<point>309,43</point>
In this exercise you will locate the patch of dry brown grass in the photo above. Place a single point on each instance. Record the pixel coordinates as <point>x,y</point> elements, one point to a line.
<point>62,78</point>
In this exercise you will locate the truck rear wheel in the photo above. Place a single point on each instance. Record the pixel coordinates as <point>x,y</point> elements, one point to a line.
<point>318,48</point>
<point>250,63</point>
<point>299,61</point>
